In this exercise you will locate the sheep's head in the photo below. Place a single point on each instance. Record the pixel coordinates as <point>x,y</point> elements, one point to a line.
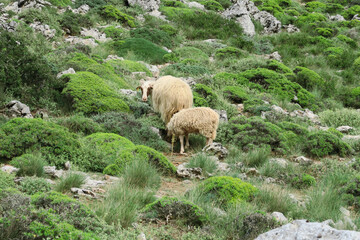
<point>146,88</point>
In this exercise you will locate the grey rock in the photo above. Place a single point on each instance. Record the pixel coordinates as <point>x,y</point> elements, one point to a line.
<point>52,172</point>
<point>84,192</point>
<point>147,5</point>
<point>275,55</point>
<point>303,160</point>
<point>156,130</point>
<point>356,17</point>
<point>280,161</point>
<point>184,172</point>
<point>128,92</point>
<point>141,236</point>
<point>44,29</point>
<point>270,180</point>
<point>83,9</point>
<point>189,80</point>
<point>291,28</point>
<point>152,68</point>
<point>94,33</point>
<point>67,165</point>
<point>301,229</point>
<point>9,169</point>
<point>17,109</point>
<point>252,172</point>
<point>113,57</point>
<point>308,114</point>
<point>42,113</point>
<point>344,129</point>
<point>216,149</point>
<point>324,128</point>
<point>351,137</point>
<point>279,217</point>
<point>69,71</point>
<point>92,183</point>
<point>337,18</point>
<point>223,167</point>
<point>268,21</point>
<point>77,40</point>
<point>222,115</point>
<point>195,5</point>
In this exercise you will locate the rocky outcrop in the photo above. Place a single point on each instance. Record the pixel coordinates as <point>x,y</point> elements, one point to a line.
<point>216,149</point>
<point>185,172</point>
<point>291,28</point>
<point>94,33</point>
<point>302,229</point>
<point>69,71</point>
<point>19,6</point>
<point>76,40</point>
<point>243,10</point>
<point>17,109</point>
<point>83,9</point>
<point>44,29</point>
<point>275,56</point>
<point>222,114</point>
<point>147,5</point>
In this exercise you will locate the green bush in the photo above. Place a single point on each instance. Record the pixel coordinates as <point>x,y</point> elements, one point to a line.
<point>204,96</point>
<point>229,52</point>
<point>32,185</point>
<point>60,3</point>
<point>133,129</point>
<point>307,78</point>
<point>340,117</point>
<point>111,12</point>
<point>6,180</point>
<point>81,62</point>
<point>142,49</point>
<point>169,29</point>
<point>309,18</point>
<point>353,98</point>
<point>315,6</point>
<point>91,94</point>
<point>29,165</point>
<point>183,69</point>
<point>147,154</point>
<point>113,32</point>
<point>352,191</point>
<point>192,53</point>
<point>325,32</point>
<point>279,67</point>
<point>177,209</point>
<point>22,134</point>
<point>201,160</point>
<point>79,124</point>
<point>295,128</point>
<point>212,5</point>
<point>154,35</point>
<point>351,12</point>
<point>322,143</point>
<point>303,181</point>
<point>112,169</point>
<point>235,94</point>
<point>227,190</point>
<point>107,73</point>
<point>70,180</point>
<point>347,40</point>
<point>73,22</point>
<point>128,66</point>
<point>173,3</point>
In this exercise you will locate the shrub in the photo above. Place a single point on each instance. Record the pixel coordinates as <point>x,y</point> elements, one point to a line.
<point>322,143</point>
<point>353,98</point>
<point>113,32</point>
<point>307,78</point>
<point>70,211</point>
<point>341,117</point>
<point>22,134</point>
<point>279,67</point>
<point>32,185</point>
<point>347,40</point>
<point>128,66</point>
<point>325,32</point>
<point>226,190</point>
<point>155,36</point>
<point>113,13</point>
<point>142,49</point>
<point>229,52</point>
<point>6,180</point>
<point>235,94</point>
<point>256,157</point>
<point>257,223</point>
<point>133,129</point>
<point>192,53</point>
<point>70,180</point>
<point>91,94</point>
<point>141,174</point>
<point>112,169</point>
<point>201,160</point>
<point>107,73</point>
<point>79,124</point>
<point>168,208</point>
<point>303,181</point>
<point>212,5</point>
<point>303,20</point>
<point>147,154</point>
<point>29,165</point>
<point>352,191</point>
<point>91,3</point>
<point>204,96</point>
<point>351,12</point>
<point>60,3</point>
<point>169,29</point>
<point>173,3</point>
<point>181,69</point>
<point>81,62</point>
<point>73,22</point>
<point>315,6</point>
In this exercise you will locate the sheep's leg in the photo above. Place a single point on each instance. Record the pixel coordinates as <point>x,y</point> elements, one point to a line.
<point>181,137</point>
<point>187,145</point>
<point>209,141</point>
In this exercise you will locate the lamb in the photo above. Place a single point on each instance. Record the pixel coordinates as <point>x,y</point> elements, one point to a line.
<point>201,120</point>
<point>169,95</point>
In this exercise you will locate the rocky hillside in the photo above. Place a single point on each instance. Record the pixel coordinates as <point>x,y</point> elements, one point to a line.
<point>83,157</point>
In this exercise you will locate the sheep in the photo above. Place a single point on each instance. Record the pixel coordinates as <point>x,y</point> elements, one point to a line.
<point>201,120</point>
<point>169,95</point>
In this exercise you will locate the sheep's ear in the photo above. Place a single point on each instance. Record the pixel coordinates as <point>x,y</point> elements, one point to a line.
<point>138,88</point>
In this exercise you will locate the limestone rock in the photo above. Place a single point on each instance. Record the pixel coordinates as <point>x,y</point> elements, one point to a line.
<point>195,5</point>
<point>17,109</point>
<point>9,169</point>
<point>252,172</point>
<point>52,172</point>
<point>44,29</point>
<point>69,71</point>
<point>94,33</point>
<point>279,217</point>
<point>223,167</point>
<point>303,160</point>
<point>275,55</point>
<point>222,115</point>
<point>76,40</point>
<point>301,229</point>
<point>351,137</point>
<point>280,161</point>
<point>128,92</point>
<point>291,28</point>
<point>184,172</point>
<point>337,18</point>
<point>189,80</point>
<point>356,17</point>
<point>216,149</point>
<point>113,57</point>
<point>147,5</point>
<point>344,129</point>
<point>42,113</point>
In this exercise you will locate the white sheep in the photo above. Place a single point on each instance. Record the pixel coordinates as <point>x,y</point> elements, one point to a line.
<point>201,120</point>
<point>169,95</point>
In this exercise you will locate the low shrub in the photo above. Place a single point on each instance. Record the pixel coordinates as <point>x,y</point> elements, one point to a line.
<point>73,22</point>
<point>142,49</point>
<point>111,12</point>
<point>109,142</point>
<point>229,52</point>
<point>307,78</point>
<point>90,94</point>
<point>347,40</point>
<point>192,53</point>
<point>204,96</point>
<point>279,67</point>
<point>212,5</point>
<point>6,180</point>
<point>309,18</point>
<point>352,191</point>
<point>183,69</point>
<point>322,143</point>
<point>201,160</point>
<point>256,223</point>
<point>169,29</point>
<point>171,208</point>
<point>113,32</point>
<point>60,3</point>
<point>32,185</point>
<point>79,124</point>
<point>353,98</point>
<point>22,134</point>
<point>340,117</point>
<point>235,94</point>
<point>325,32</point>
<point>351,12</point>
<point>29,165</point>
<point>303,181</point>
<point>128,66</point>
<point>155,36</point>
<point>70,180</point>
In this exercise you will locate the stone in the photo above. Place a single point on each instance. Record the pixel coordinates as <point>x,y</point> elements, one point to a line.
<point>52,172</point>
<point>152,68</point>
<point>223,167</point>
<point>42,113</point>
<point>280,161</point>
<point>141,236</point>
<point>275,56</point>
<point>279,217</point>
<point>128,92</point>
<point>216,149</point>
<point>94,33</point>
<point>69,71</point>
<point>44,29</point>
<point>113,57</point>
<point>76,40</point>
<point>291,28</point>
<point>356,17</point>
<point>147,5</point>
<point>344,129</point>
<point>304,230</point>
<point>184,172</point>
<point>83,9</point>
<point>91,183</point>
<point>189,80</point>
<point>67,165</point>
<point>303,160</point>
<point>306,114</point>
<point>140,74</point>
<point>268,21</point>
<point>270,180</point>
<point>252,172</point>
<point>156,130</point>
<point>83,192</point>
<point>195,5</point>
<point>351,137</point>
<point>337,18</point>
<point>9,169</point>
<point>17,109</point>
<point>222,115</point>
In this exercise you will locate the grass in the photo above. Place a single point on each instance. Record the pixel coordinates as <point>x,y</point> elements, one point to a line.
<point>30,165</point>
<point>141,174</point>
<point>203,161</point>
<point>256,157</point>
<point>341,117</point>
<point>70,180</point>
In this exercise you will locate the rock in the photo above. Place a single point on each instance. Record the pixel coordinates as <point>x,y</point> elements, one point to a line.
<point>291,28</point>
<point>279,217</point>
<point>303,160</point>
<point>67,165</point>
<point>83,9</point>
<point>275,55</point>
<point>351,137</point>
<point>223,167</point>
<point>189,80</point>
<point>219,212</point>
<point>147,5</point>
<point>306,114</point>
<point>268,21</point>
<point>52,172</point>
<point>83,192</point>
<point>216,149</point>
<point>8,26</point>
<point>345,212</point>
<point>158,14</point>
<point>44,29</point>
<point>91,183</point>
<point>128,92</point>
<point>280,161</point>
<point>9,169</point>
<point>252,172</point>
<point>69,71</point>
<point>42,113</point>
<point>17,109</point>
<point>141,236</point>
<point>94,33</point>
<point>222,115</point>
<point>270,180</point>
<point>152,68</point>
<point>337,18</point>
<point>76,40</point>
<point>113,57</point>
<point>184,172</point>
<point>302,229</point>
<point>156,130</point>
<point>323,128</point>
<point>240,107</point>
<point>140,74</point>
<point>356,17</point>
<point>344,129</point>
<point>195,5</point>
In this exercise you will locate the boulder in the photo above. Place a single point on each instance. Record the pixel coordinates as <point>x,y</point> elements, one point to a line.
<point>303,160</point>
<point>279,217</point>
<point>44,29</point>
<point>222,115</point>
<point>337,18</point>
<point>17,109</point>
<point>280,161</point>
<point>9,169</point>
<point>216,149</point>
<point>147,5</point>
<point>304,230</point>
<point>291,28</point>
<point>76,40</point>
<point>184,172</point>
<point>69,71</point>
<point>344,129</point>
<point>275,55</point>
<point>94,33</point>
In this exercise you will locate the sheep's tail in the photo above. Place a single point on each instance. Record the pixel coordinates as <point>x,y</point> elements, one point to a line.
<point>172,144</point>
